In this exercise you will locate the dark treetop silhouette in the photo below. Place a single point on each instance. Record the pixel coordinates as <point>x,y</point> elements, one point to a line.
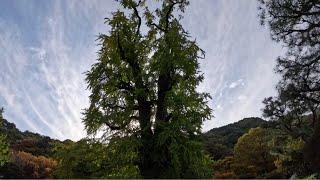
<point>297,24</point>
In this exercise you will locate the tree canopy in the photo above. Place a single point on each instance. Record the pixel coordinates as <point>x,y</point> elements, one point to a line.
<point>253,151</point>
<point>297,25</point>
<point>92,159</point>
<point>143,88</point>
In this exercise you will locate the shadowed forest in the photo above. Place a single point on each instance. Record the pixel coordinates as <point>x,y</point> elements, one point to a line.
<point>145,115</point>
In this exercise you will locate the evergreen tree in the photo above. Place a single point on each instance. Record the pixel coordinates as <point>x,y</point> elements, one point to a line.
<point>143,91</point>
<point>296,23</point>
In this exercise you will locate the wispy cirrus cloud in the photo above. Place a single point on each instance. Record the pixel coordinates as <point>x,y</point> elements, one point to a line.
<point>43,87</point>
<point>239,57</point>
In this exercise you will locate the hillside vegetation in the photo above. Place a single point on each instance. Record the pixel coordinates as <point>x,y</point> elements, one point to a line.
<point>219,142</point>
<point>31,155</point>
<point>31,152</point>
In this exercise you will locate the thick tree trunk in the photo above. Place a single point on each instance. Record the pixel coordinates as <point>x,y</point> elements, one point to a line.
<point>312,149</point>
<point>146,165</point>
<point>161,110</point>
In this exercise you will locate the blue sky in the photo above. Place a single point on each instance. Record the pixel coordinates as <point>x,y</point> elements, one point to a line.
<point>46,46</point>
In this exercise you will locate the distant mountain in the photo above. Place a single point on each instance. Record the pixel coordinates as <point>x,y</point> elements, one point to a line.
<point>219,142</point>
<point>27,141</point>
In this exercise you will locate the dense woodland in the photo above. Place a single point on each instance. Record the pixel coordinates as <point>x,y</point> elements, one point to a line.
<point>144,100</point>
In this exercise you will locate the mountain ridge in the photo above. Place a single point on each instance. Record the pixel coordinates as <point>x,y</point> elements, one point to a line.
<point>219,142</point>
<point>27,141</point>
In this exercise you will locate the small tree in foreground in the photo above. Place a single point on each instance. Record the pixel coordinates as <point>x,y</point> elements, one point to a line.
<point>87,159</point>
<point>252,153</point>
<point>4,147</point>
<point>143,91</point>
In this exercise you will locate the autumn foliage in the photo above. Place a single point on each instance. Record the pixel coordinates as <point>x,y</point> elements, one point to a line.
<point>27,165</point>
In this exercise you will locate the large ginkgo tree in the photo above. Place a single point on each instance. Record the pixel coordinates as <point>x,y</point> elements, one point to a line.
<point>143,91</point>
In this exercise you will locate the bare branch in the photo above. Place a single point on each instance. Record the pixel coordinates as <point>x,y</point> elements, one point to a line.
<point>112,127</point>
<point>158,27</point>
<point>138,16</point>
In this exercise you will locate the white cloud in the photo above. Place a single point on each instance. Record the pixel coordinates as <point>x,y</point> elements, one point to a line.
<point>242,97</point>
<point>39,53</point>
<point>13,63</point>
<point>239,53</point>
<point>236,83</point>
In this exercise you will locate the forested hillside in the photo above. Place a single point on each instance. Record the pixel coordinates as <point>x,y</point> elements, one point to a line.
<point>27,141</point>
<point>219,142</point>
<point>31,155</point>
<point>232,147</point>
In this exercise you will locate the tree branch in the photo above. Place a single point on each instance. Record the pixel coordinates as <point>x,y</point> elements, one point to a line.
<point>138,16</point>
<point>169,13</point>
<point>158,27</point>
<point>167,17</point>
<point>112,127</point>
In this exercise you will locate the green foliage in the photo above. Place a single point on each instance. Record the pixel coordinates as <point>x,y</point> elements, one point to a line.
<point>219,142</point>
<point>252,153</point>
<point>223,168</point>
<point>4,151</point>
<point>91,159</point>
<point>143,91</point>
<point>4,147</point>
<point>289,156</point>
<point>253,157</point>
<point>186,161</point>
<point>296,24</point>
<point>29,142</point>
<point>312,176</point>
<point>25,154</point>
